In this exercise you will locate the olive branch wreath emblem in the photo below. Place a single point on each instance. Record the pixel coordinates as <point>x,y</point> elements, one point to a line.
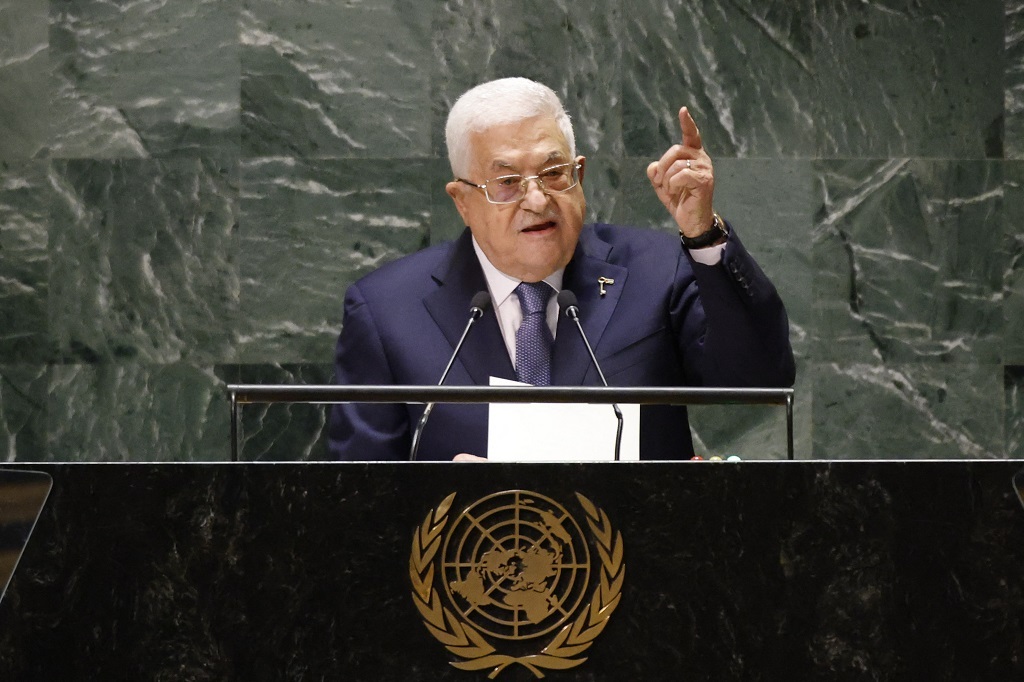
<point>463,640</point>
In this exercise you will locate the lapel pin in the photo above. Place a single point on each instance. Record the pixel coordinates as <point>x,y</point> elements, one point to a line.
<point>604,280</point>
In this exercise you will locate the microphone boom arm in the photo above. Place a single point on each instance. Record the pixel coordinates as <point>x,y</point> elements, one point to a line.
<point>479,303</point>
<point>573,311</point>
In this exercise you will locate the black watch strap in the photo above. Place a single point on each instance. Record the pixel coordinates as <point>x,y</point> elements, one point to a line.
<point>716,232</point>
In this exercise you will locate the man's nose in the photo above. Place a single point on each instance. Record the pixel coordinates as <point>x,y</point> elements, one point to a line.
<point>535,198</point>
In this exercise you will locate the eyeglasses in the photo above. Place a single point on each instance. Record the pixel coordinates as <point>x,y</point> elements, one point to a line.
<point>508,189</point>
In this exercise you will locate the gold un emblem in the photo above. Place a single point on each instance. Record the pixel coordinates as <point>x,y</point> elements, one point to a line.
<point>512,580</point>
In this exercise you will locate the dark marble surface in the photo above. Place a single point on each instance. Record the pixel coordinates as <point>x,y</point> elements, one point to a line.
<point>24,105</point>
<point>745,68</point>
<point>137,413</point>
<point>1013,79</point>
<point>25,263</point>
<point>143,79</point>
<point>558,43</point>
<point>23,409</point>
<point>332,221</point>
<point>309,80</point>
<point>751,571</point>
<point>887,71</point>
<point>1014,385</point>
<point>901,272</point>
<point>1013,304</point>
<point>950,410</point>
<point>909,315</point>
<point>142,264</point>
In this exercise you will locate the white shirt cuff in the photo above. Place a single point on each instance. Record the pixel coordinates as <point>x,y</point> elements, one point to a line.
<point>711,255</point>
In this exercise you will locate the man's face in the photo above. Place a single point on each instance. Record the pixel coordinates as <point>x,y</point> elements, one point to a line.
<point>537,235</point>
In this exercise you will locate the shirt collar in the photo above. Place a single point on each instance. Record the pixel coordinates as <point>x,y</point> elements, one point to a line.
<point>501,285</point>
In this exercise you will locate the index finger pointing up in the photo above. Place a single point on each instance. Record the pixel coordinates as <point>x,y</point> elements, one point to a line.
<point>691,136</point>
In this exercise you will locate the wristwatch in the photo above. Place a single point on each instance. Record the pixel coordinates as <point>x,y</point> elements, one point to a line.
<point>714,233</point>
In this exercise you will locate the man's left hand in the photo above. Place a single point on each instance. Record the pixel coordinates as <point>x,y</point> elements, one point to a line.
<point>684,180</point>
<point>466,457</point>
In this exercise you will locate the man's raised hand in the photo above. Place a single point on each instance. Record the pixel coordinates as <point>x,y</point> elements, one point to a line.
<point>684,180</point>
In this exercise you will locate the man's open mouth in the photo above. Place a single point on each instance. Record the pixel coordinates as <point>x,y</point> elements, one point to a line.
<point>540,227</point>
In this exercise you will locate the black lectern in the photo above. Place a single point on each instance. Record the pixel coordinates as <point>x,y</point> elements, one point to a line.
<point>433,571</point>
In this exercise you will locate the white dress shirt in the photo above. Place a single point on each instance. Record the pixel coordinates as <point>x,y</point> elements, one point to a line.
<point>506,303</point>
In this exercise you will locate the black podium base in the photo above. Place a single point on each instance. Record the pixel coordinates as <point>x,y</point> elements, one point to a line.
<point>746,571</point>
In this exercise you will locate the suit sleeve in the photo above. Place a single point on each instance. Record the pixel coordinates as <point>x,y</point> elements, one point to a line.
<point>736,334</point>
<point>365,431</point>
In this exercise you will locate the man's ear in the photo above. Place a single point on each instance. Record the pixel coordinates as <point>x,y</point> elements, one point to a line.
<point>457,191</point>
<point>582,161</point>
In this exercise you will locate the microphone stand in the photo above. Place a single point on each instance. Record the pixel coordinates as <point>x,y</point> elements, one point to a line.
<point>568,299</point>
<point>479,303</point>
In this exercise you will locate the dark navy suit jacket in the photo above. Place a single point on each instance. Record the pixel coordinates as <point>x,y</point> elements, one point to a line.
<point>666,321</point>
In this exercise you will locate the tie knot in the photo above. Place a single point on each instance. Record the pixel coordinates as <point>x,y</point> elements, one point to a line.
<point>533,296</point>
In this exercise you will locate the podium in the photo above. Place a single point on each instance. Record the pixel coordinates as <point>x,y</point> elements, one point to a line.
<point>808,570</point>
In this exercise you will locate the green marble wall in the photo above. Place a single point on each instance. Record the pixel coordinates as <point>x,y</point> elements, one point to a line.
<point>187,188</point>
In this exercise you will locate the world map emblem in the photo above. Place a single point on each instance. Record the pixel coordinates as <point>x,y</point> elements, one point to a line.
<point>515,579</point>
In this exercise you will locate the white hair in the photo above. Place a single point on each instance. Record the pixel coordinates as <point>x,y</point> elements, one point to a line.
<point>500,102</point>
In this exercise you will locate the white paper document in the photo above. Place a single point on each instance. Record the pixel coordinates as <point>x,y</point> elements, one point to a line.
<point>559,432</point>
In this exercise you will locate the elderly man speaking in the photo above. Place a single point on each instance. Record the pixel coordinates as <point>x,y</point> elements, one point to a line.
<point>660,311</point>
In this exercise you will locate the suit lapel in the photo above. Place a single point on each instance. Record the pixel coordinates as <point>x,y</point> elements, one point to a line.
<point>571,362</point>
<point>459,278</point>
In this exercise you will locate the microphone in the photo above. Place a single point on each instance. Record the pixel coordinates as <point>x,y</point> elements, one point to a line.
<point>481,302</point>
<point>567,302</point>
